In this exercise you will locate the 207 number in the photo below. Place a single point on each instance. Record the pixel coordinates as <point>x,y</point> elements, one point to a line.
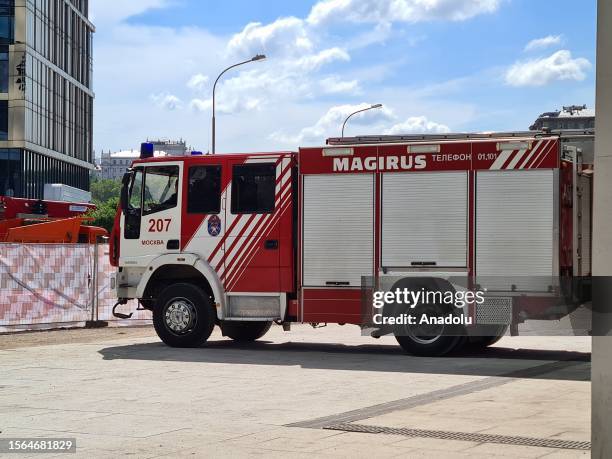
<point>159,225</point>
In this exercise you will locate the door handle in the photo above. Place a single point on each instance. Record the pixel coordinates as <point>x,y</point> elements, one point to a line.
<point>271,244</point>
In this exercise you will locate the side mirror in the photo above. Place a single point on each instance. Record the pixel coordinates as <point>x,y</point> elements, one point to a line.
<point>124,199</point>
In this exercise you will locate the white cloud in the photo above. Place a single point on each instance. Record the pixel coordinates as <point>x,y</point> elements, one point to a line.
<point>417,125</point>
<point>285,36</point>
<point>314,62</point>
<point>227,105</point>
<point>334,85</point>
<point>197,82</point>
<point>368,122</point>
<point>545,42</point>
<point>267,83</point>
<point>167,101</point>
<point>539,72</point>
<point>330,124</point>
<point>289,74</point>
<point>128,83</point>
<point>252,89</point>
<point>305,63</point>
<point>239,104</point>
<point>381,11</point>
<point>200,105</point>
<point>380,33</point>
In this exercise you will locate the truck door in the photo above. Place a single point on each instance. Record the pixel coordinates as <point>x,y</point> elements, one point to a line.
<point>151,224</point>
<point>258,198</point>
<point>203,219</point>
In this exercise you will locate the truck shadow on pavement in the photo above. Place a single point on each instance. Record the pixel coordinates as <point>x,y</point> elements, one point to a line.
<point>494,361</point>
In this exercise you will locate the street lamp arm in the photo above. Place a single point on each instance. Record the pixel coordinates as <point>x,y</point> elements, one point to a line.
<point>257,57</point>
<point>348,117</point>
<point>220,75</point>
<point>359,111</point>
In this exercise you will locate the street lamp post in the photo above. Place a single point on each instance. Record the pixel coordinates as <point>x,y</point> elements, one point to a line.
<point>359,111</point>
<point>257,57</point>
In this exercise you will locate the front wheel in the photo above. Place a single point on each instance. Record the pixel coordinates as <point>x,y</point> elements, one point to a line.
<point>183,315</point>
<point>245,331</point>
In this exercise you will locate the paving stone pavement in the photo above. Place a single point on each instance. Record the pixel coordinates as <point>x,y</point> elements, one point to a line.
<point>129,394</point>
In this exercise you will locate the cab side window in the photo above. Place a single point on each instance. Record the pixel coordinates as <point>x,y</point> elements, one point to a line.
<point>136,191</point>
<point>160,188</point>
<point>253,188</point>
<point>204,190</point>
<point>132,215</point>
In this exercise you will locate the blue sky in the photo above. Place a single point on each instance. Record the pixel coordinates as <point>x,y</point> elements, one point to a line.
<point>435,65</point>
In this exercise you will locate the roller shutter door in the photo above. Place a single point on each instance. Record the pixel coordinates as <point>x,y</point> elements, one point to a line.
<point>338,226</point>
<point>424,219</point>
<point>515,229</point>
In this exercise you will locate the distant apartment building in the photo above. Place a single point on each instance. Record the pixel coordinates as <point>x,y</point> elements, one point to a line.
<point>570,117</point>
<point>113,165</point>
<point>46,97</point>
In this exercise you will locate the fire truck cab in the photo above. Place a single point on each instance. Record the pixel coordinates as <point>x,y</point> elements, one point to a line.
<point>245,240</point>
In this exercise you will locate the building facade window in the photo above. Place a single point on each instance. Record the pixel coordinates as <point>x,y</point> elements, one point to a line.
<point>4,68</point>
<point>38,170</point>
<point>4,120</point>
<point>10,172</point>
<point>7,21</point>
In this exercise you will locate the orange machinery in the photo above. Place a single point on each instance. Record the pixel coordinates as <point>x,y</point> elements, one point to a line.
<point>66,230</point>
<point>37,221</point>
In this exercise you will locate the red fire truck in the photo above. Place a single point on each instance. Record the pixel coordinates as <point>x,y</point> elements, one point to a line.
<point>245,240</point>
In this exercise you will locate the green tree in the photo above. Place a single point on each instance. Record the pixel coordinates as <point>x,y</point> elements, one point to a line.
<point>104,189</point>
<point>104,214</point>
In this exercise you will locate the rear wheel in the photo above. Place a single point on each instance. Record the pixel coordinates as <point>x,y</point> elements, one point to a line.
<point>430,338</point>
<point>245,331</point>
<point>183,315</point>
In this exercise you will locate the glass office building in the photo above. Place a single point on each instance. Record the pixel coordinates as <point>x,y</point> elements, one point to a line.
<point>46,96</point>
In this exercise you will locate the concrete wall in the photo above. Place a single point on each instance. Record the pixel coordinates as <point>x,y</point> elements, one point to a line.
<point>601,426</point>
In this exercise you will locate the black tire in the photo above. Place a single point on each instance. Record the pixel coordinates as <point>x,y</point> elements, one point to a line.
<point>245,331</point>
<point>183,316</point>
<point>427,341</point>
<point>437,347</point>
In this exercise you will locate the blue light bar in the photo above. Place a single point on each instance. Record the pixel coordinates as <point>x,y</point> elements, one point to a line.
<point>146,150</point>
<point>196,153</point>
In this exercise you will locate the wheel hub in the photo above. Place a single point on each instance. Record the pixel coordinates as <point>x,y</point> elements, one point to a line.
<point>180,316</point>
<point>426,333</point>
